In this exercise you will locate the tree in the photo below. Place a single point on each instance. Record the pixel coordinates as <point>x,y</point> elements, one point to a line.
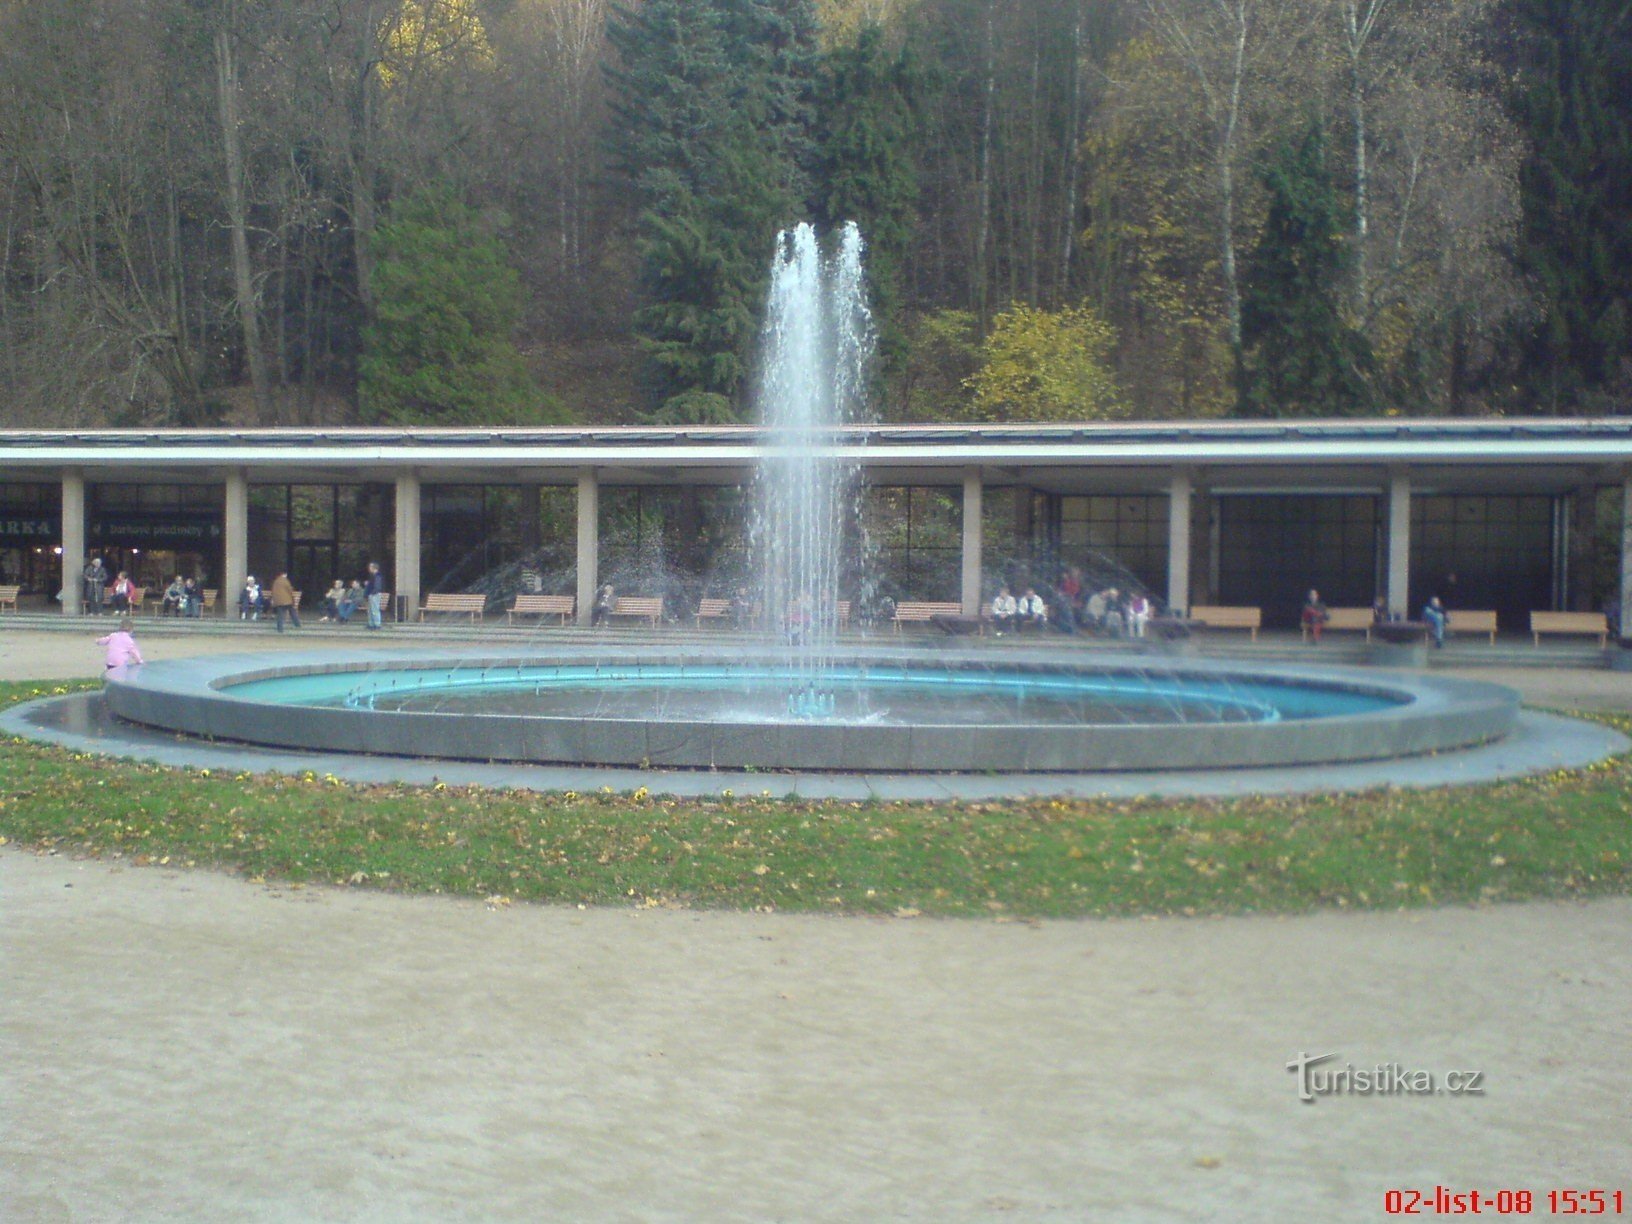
<point>865,167</point>
<point>1044,365</point>
<point>710,115</point>
<point>439,349</point>
<point>1300,356</point>
<point>1574,102</point>
<point>1240,54</point>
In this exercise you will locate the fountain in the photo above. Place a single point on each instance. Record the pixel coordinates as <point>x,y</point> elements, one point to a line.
<point>817,343</point>
<point>806,701</point>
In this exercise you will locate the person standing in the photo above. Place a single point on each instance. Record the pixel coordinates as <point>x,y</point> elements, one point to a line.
<point>1138,614</point>
<point>1314,615</point>
<point>121,645</point>
<point>374,589</point>
<point>1434,615</point>
<point>96,586</point>
<point>283,601</point>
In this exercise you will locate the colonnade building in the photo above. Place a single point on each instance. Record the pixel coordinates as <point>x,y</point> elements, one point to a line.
<point>1518,515</point>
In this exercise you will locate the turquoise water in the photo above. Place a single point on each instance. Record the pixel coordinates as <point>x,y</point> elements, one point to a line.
<point>691,692</point>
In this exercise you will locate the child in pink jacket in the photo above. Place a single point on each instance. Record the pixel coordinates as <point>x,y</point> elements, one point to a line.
<point>121,645</point>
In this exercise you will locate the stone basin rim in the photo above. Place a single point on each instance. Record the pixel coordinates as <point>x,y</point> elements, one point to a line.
<point>193,697</point>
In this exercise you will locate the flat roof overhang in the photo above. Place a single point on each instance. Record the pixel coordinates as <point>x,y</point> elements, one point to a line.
<point>1529,455</point>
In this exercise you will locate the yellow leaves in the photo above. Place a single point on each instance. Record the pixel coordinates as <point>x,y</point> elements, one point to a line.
<point>1040,365</point>
<point>762,869</point>
<point>429,35</point>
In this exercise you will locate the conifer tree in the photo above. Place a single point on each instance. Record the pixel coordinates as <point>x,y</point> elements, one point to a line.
<point>1574,101</point>
<point>440,348</point>
<point>711,118</point>
<point>865,167</point>
<point>1300,355</point>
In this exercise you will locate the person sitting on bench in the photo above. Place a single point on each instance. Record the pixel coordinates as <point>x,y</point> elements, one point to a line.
<point>1031,611</point>
<point>1004,611</point>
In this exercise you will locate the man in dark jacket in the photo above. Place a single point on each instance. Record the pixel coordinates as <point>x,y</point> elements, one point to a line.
<point>96,586</point>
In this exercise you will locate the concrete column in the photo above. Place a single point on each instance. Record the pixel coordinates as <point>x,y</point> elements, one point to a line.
<point>405,577</point>
<point>972,516</point>
<point>1399,542</point>
<point>589,541</point>
<point>1178,541</point>
<point>73,541</point>
<point>235,525</point>
<point>1626,554</point>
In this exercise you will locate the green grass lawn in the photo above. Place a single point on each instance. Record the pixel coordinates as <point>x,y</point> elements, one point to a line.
<point>1567,834</point>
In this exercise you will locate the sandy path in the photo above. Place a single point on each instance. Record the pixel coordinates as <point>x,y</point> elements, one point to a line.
<point>27,654</point>
<point>192,1046</point>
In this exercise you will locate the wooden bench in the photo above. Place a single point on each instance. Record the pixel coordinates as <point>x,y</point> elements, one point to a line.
<point>1465,620</point>
<point>476,605</point>
<point>919,612</point>
<point>8,595</point>
<point>841,613</point>
<point>1594,624</point>
<point>1344,620</point>
<point>541,606</point>
<point>1220,617</point>
<point>639,607</point>
<point>713,610</point>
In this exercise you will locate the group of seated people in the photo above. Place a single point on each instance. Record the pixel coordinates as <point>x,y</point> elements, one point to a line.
<point>183,597</point>
<point>340,601</point>
<point>1018,615</point>
<point>1434,616</point>
<point>1109,611</point>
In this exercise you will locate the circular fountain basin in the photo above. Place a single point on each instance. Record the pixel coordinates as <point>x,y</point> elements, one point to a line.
<point>881,710</point>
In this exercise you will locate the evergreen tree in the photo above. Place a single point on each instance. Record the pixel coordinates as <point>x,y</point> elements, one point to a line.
<point>1300,356</point>
<point>1574,100</point>
<point>439,349</point>
<point>865,167</point>
<point>711,117</point>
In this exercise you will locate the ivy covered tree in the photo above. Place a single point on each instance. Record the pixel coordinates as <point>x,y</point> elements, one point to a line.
<point>1300,355</point>
<point>711,129</point>
<point>1574,103</point>
<point>440,348</point>
<point>1046,365</point>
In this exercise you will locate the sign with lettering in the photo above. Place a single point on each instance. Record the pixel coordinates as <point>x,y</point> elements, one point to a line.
<point>130,529</point>
<point>27,528</point>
